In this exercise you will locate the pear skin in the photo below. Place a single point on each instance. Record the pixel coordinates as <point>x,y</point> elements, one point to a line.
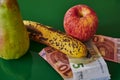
<point>14,39</point>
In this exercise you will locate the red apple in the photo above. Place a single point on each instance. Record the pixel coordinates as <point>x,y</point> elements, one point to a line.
<point>81,22</point>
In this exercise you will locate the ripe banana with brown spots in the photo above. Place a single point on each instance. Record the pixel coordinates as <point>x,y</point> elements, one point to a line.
<point>56,39</point>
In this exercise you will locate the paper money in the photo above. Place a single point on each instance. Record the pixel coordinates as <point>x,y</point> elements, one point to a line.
<point>109,47</point>
<point>58,61</point>
<point>93,68</point>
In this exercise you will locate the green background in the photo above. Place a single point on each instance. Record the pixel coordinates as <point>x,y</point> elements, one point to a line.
<point>51,12</point>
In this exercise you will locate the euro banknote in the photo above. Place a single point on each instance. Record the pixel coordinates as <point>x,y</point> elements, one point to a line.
<point>58,61</point>
<point>92,67</point>
<point>109,47</point>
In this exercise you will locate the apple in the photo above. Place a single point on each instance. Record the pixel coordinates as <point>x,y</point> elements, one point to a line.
<point>80,21</point>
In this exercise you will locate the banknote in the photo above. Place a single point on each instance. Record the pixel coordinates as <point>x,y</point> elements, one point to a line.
<point>90,68</point>
<point>109,47</point>
<point>58,61</point>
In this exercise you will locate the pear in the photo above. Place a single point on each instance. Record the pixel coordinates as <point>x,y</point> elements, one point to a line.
<point>14,39</point>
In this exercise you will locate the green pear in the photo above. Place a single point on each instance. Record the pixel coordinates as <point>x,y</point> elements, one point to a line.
<point>14,39</point>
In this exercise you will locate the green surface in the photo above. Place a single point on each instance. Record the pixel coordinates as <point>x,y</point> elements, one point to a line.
<point>51,12</point>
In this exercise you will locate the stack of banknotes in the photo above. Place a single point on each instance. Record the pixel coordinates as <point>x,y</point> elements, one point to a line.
<point>91,67</point>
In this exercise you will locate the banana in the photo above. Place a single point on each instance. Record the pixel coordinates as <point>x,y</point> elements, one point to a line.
<point>56,39</point>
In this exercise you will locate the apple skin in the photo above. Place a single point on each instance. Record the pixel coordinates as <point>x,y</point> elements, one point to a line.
<point>80,21</point>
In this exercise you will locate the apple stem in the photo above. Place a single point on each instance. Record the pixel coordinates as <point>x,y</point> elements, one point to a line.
<point>80,14</point>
